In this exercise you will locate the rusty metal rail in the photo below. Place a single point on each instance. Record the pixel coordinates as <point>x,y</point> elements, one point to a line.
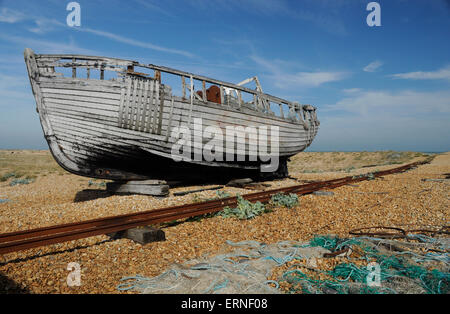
<point>23,240</point>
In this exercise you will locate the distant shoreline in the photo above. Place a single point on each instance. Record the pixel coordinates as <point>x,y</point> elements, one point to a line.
<point>307,151</point>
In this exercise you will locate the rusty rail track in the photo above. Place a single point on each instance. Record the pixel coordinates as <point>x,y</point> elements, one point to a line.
<point>23,240</point>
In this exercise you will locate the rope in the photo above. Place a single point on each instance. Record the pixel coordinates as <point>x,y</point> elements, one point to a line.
<point>426,271</point>
<point>346,277</point>
<point>220,267</point>
<point>141,282</point>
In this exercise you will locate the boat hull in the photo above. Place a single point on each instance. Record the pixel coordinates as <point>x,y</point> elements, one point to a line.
<point>123,129</point>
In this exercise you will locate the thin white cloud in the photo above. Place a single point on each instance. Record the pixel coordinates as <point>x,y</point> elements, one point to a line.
<point>44,25</point>
<point>313,79</point>
<point>441,74</point>
<point>154,7</point>
<point>11,16</point>
<point>285,79</point>
<point>351,90</point>
<point>266,7</point>
<point>385,103</point>
<point>134,42</point>
<point>46,46</point>
<point>373,66</point>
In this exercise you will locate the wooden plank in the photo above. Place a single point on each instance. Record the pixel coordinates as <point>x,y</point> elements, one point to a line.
<point>88,149</point>
<point>169,125</point>
<point>183,86</point>
<point>82,115</point>
<point>101,109</point>
<point>74,70</point>
<point>139,110</point>
<point>83,93</point>
<point>150,106</point>
<point>143,182</point>
<point>81,65</point>
<point>161,109</point>
<point>119,138</point>
<point>221,95</point>
<point>204,91</point>
<point>92,139</point>
<point>158,76</point>
<point>198,97</point>
<point>84,84</point>
<point>255,102</point>
<point>89,110</point>
<point>127,102</point>
<point>192,100</point>
<point>121,106</point>
<point>115,153</point>
<point>42,59</point>
<point>88,156</point>
<point>144,189</point>
<point>156,98</point>
<point>140,235</point>
<point>110,147</point>
<point>84,147</point>
<point>144,108</point>
<point>112,104</point>
<point>132,104</point>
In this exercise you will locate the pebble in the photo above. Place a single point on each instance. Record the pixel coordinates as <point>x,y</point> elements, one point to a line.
<point>50,200</point>
<point>323,193</point>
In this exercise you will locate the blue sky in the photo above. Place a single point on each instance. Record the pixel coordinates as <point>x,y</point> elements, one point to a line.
<point>376,88</point>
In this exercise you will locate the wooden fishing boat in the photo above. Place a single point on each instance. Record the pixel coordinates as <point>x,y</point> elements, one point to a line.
<point>114,119</point>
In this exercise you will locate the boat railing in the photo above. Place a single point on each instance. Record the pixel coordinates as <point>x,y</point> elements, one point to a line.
<point>261,102</point>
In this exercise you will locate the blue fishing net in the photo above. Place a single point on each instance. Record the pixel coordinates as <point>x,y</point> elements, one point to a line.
<point>398,272</point>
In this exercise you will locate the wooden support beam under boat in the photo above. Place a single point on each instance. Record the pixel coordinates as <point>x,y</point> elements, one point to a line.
<point>146,187</point>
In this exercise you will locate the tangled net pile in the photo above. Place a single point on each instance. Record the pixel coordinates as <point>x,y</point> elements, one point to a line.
<point>248,267</point>
<point>245,270</point>
<point>398,270</point>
